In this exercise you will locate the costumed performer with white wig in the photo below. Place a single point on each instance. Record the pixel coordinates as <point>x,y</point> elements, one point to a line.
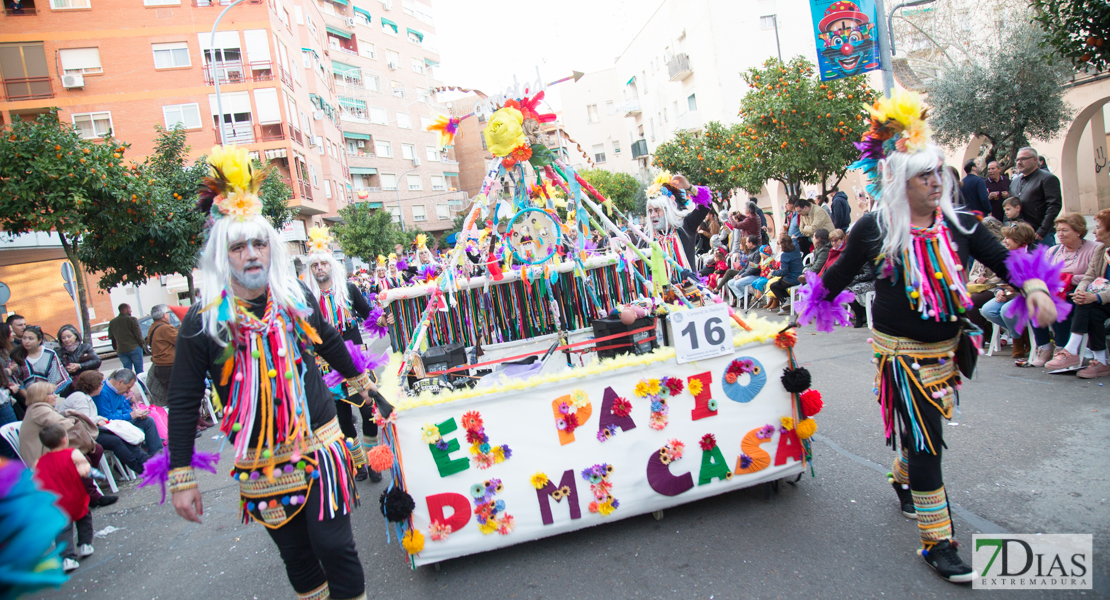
<point>341,303</point>
<point>674,223</point>
<point>922,341</point>
<point>255,334</point>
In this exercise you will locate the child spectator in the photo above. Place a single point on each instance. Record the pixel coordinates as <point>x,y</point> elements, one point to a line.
<point>60,471</point>
<point>1012,207</point>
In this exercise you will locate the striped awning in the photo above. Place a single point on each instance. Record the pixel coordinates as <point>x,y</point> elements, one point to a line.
<point>345,69</point>
<point>416,33</point>
<point>352,102</point>
<point>386,21</point>
<point>356,136</point>
<point>365,13</point>
<point>450,174</point>
<point>338,32</point>
<point>363,171</point>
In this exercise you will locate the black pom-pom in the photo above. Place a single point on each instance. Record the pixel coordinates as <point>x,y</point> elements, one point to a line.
<point>795,381</point>
<point>396,505</point>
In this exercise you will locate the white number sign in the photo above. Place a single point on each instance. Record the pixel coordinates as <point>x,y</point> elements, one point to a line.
<point>701,333</point>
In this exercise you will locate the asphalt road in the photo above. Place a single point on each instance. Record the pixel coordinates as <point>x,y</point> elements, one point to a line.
<point>1026,455</point>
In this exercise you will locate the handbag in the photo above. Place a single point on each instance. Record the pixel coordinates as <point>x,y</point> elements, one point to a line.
<point>127,432</point>
<point>968,347</point>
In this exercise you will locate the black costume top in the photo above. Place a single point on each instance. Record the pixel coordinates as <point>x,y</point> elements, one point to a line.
<point>360,308</point>
<point>196,359</point>
<point>892,312</point>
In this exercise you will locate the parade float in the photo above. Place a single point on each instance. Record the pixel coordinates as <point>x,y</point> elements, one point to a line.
<point>557,391</point>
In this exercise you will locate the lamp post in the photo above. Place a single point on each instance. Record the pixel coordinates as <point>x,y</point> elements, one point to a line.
<point>216,74</point>
<point>886,40</point>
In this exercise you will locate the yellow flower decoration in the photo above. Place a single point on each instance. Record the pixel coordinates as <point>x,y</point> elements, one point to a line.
<point>579,399</point>
<point>240,206</point>
<point>653,387</point>
<point>787,422</point>
<point>234,163</point>
<point>498,453</point>
<point>641,389</point>
<point>488,527</point>
<point>694,386</point>
<point>605,508</point>
<point>504,133</point>
<point>430,434</point>
<point>539,480</point>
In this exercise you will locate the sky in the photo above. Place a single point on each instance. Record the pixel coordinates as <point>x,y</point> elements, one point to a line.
<point>484,43</point>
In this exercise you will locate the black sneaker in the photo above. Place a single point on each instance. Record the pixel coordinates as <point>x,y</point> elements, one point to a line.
<point>946,561</point>
<point>362,474</point>
<point>375,477</point>
<point>905,498</point>
<point>103,501</point>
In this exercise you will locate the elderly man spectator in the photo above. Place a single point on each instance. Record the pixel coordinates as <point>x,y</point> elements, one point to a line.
<point>841,210</point>
<point>112,404</point>
<point>813,218</point>
<point>162,340</point>
<point>127,339</point>
<point>998,189</point>
<point>1039,192</point>
<point>974,190</point>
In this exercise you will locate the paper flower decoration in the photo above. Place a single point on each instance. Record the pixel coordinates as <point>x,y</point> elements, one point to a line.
<point>231,188</point>
<point>579,399</point>
<point>708,442</point>
<point>695,387</point>
<point>621,407</point>
<point>539,480</point>
<point>319,239</point>
<point>439,531</point>
<point>787,423</point>
<point>504,133</point>
<point>490,512</point>
<point>429,433</point>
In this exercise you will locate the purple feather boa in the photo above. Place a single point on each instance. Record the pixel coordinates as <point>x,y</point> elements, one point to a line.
<point>701,195</point>
<point>402,264</point>
<point>371,326</point>
<point>364,363</point>
<point>157,469</point>
<point>1024,266</point>
<point>815,307</point>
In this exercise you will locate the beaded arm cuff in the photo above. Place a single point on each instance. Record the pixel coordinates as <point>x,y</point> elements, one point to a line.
<point>182,478</point>
<point>360,384</point>
<point>1034,285</point>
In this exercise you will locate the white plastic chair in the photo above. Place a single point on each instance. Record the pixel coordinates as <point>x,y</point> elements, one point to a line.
<point>996,341</point>
<point>10,433</point>
<point>806,261</point>
<point>106,468</point>
<point>868,300</point>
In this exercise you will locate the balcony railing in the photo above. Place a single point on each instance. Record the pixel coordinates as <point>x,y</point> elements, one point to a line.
<point>244,133</point>
<point>236,133</point>
<point>350,51</point>
<point>295,134</point>
<point>358,155</point>
<point>304,189</point>
<point>237,72</point>
<point>639,148</point>
<point>26,11</point>
<point>28,88</point>
<point>271,132</point>
<point>679,67</point>
<point>286,78</point>
<point>630,108</point>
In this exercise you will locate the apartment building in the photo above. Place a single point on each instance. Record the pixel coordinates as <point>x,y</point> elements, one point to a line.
<point>594,112</point>
<point>383,61</point>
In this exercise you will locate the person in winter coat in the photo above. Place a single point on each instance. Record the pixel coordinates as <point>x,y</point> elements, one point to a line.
<point>790,268</point>
<point>821,249</point>
<point>841,210</point>
<point>76,355</point>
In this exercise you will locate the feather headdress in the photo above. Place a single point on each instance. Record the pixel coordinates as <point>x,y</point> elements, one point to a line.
<point>447,128</point>
<point>319,239</point>
<point>897,125</point>
<point>421,241</point>
<point>231,188</point>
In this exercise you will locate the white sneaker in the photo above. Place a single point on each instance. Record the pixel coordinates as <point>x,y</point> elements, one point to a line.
<point>85,550</point>
<point>69,564</point>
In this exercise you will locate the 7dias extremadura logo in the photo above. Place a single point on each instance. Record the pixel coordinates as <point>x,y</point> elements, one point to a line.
<point>1030,561</point>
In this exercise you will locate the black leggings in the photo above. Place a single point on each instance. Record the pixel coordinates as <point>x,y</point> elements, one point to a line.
<point>781,289</point>
<point>924,468</point>
<point>1091,319</point>
<point>84,536</point>
<point>345,412</point>
<point>317,552</point>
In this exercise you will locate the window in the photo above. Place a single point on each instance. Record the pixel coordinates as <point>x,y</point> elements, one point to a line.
<point>404,120</point>
<point>424,123</point>
<point>767,22</point>
<point>616,147</point>
<point>439,183</point>
<point>433,156</point>
<point>692,102</point>
<point>327,188</point>
<point>82,61</point>
<point>383,150</point>
<point>370,82</point>
<point>315,180</point>
<point>415,37</point>
<point>378,116</point>
<point>599,153</point>
<point>651,127</point>
<point>93,125</point>
<point>367,50</point>
<point>610,107</point>
<point>591,114</point>
<point>665,119</point>
<point>422,95</point>
<point>408,152</point>
<point>414,183</point>
<point>418,66</point>
<point>395,211</point>
<point>188,115</point>
<point>389,27</point>
<point>161,2</point>
<point>443,212</point>
<point>66,4</point>
<point>169,56</point>
<point>362,18</point>
<point>398,88</point>
<point>389,182</point>
<point>418,213</point>
<point>393,58</point>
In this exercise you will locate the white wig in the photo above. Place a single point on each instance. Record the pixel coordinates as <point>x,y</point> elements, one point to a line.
<point>215,269</point>
<point>338,277</point>
<point>894,208</point>
<point>671,213</point>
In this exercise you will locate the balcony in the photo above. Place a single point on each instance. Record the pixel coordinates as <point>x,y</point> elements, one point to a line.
<point>235,133</point>
<point>286,77</point>
<point>237,72</point>
<point>295,135</point>
<point>350,51</point>
<point>679,67</point>
<point>244,133</point>
<point>690,121</point>
<point>639,148</point>
<point>26,10</point>
<point>28,88</point>
<point>305,190</point>
<point>630,108</point>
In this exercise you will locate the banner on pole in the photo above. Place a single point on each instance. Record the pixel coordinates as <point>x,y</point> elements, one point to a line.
<point>847,37</point>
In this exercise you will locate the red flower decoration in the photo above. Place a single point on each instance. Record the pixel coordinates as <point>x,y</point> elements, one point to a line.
<point>474,435</point>
<point>529,107</point>
<point>730,377</point>
<point>811,402</point>
<point>472,420</point>
<point>708,442</point>
<point>675,385</point>
<point>520,154</point>
<point>786,339</point>
<point>621,407</point>
<point>572,422</point>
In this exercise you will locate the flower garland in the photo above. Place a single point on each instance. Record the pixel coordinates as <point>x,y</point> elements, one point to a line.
<point>672,451</point>
<point>491,513</point>
<point>598,477</point>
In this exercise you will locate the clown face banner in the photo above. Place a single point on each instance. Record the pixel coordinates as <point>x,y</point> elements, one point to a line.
<point>847,37</point>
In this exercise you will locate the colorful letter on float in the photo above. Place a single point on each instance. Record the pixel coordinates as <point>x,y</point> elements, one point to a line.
<point>458,503</point>
<point>443,460</point>
<point>582,414</point>
<point>758,457</point>
<point>607,418</point>
<point>661,479</point>
<point>549,491</point>
<point>789,447</point>
<point>713,466</point>
<point>701,401</point>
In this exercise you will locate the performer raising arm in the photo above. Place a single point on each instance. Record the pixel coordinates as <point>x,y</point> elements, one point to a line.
<point>256,337</point>
<point>922,245</point>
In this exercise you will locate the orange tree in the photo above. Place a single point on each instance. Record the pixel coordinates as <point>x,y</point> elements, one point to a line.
<point>796,129</point>
<point>52,180</point>
<point>1078,30</point>
<point>711,159</point>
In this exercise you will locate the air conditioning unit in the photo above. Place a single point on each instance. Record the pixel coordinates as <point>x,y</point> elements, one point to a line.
<point>73,81</point>
<point>350,21</point>
<point>416,161</point>
<point>315,141</point>
<point>318,115</point>
<point>361,143</point>
<point>392,66</point>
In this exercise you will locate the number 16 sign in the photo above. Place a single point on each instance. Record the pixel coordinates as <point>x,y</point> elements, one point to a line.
<point>701,333</point>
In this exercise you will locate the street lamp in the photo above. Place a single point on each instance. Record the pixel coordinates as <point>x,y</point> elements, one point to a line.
<point>415,166</point>
<point>215,74</point>
<point>886,40</point>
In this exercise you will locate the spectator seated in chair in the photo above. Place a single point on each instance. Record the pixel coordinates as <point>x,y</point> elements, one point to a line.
<point>1092,308</point>
<point>87,385</point>
<point>1017,235</point>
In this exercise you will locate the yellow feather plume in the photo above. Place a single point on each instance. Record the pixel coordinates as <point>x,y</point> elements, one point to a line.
<point>319,239</point>
<point>234,164</point>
